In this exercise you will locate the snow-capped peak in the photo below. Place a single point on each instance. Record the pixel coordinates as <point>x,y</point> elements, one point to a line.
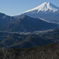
<point>46,6</point>
<point>46,11</point>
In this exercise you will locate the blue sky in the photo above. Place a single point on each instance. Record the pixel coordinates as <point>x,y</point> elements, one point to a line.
<point>15,7</point>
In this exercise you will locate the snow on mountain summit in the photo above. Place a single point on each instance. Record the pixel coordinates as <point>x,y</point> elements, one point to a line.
<point>46,6</point>
<point>47,11</point>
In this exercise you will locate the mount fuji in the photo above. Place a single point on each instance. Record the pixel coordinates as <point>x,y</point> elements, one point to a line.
<point>45,7</point>
<point>46,11</point>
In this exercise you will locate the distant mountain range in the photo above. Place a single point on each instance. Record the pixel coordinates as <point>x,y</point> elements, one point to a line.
<point>39,18</point>
<point>23,23</point>
<point>37,40</point>
<point>15,40</point>
<point>46,11</point>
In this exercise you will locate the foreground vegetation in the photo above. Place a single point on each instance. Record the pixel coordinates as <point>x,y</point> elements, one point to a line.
<point>50,51</point>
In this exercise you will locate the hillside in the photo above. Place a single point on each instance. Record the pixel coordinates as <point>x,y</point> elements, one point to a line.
<point>26,24</point>
<point>50,51</point>
<point>17,40</point>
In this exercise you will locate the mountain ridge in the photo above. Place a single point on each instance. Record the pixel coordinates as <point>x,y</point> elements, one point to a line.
<point>23,23</point>
<point>47,11</point>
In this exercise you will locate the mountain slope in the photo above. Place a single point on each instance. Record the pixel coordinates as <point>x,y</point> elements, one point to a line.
<point>25,23</point>
<point>15,40</point>
<point>46,11</point>
<point>38,40</point>
<point>50,51</point>
<point>45,7</point>
<point>4,19</point>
